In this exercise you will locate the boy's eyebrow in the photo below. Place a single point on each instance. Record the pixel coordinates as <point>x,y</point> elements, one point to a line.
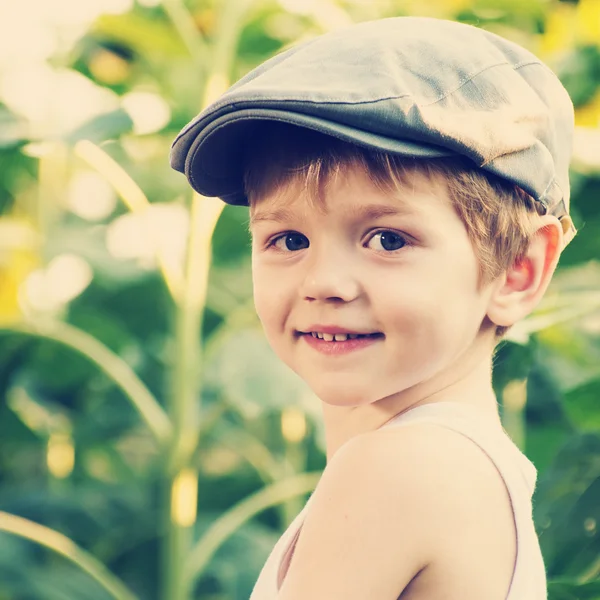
<point>369,212</point>
<point>376,211</point>
<point>278,215</point>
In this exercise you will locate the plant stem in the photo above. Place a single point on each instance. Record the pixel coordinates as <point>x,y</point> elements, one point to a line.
<point>113,366</point>
<point>271,495</point>
<point>187,390</point>
<point>52,180</point>
<point>514,398</point>
<point>188,32</point>
<point>61,544</point>
<point>135,200</point>
<point>184,407</point>
<point>296,464</point>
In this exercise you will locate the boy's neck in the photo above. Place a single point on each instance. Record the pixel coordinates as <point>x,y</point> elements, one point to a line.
<point>469,383</point>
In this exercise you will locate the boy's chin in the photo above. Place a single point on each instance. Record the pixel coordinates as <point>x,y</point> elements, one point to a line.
<point>345,396</point>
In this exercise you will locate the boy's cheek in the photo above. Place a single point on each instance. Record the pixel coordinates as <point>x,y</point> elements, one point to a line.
<point>268,303</point>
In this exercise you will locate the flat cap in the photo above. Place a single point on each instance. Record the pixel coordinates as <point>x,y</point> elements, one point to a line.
<point>413,86</point>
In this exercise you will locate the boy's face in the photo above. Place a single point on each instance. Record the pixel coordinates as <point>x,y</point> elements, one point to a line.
<point>367,262</point>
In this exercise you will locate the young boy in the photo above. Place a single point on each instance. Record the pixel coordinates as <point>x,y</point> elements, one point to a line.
<point>408,189</point>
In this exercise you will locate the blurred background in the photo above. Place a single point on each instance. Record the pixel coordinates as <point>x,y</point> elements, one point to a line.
<point>152,446</point>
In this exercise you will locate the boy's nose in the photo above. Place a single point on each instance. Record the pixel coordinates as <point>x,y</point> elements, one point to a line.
<point>330,278</point>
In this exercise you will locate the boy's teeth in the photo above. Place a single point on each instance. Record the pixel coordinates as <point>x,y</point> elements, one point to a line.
<point>330,337</point>
<point>338,337</point>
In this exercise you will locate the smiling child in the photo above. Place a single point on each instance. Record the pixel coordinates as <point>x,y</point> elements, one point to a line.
<point>408,193</point>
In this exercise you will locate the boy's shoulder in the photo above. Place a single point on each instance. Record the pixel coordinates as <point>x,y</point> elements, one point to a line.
<point>411,505</point>
<point>430,457</point>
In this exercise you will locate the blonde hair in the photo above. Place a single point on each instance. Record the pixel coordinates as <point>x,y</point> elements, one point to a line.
<point>499,217</point>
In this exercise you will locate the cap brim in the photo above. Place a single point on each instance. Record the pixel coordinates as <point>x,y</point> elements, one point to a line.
<point>211,154</point>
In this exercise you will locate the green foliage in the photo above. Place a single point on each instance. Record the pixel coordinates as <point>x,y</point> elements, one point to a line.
<point>152,381</point>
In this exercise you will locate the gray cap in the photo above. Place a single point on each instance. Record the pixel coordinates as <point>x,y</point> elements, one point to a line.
<point>413,86</point>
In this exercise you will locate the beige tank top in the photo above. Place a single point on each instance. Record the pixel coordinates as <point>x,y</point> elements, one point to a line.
<point>519,474</point>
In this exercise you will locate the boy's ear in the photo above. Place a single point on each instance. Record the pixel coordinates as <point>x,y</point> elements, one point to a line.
<point>518,291</point>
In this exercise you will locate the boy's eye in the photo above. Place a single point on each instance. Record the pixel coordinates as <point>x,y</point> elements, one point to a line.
<point>290,242</point>
<point>388,241</point>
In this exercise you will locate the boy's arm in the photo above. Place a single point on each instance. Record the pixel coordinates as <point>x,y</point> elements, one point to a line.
<point>388,504</point>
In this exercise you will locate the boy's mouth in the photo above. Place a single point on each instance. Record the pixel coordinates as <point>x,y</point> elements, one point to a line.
<point>340,336</point>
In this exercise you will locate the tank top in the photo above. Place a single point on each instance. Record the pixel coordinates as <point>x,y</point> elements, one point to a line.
<point>519,475</point>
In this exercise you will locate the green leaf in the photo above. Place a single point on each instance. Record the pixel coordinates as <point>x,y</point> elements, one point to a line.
<point>237,564</point>
<point>56,581</point>
<point>567,495</point>
<point>578,72</point>
<point>103,127</point>
<point>580,537</point>
<point>231,240</point>
<point>145,36</point>
<point>548,426</point>
<point>62,545</point>
<point>13,131</point>
<point>567,590</point>
<point>112,365</point>
<point>583,407</point>
<point>250,375</point>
